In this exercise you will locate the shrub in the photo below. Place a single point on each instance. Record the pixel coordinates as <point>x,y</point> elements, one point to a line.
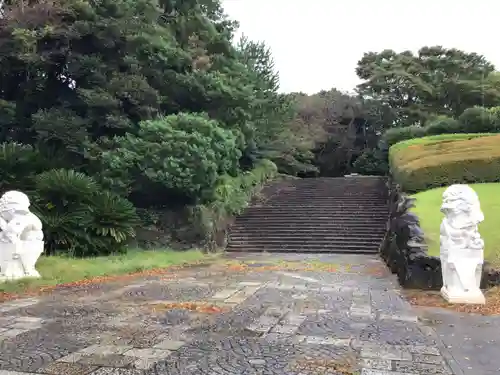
<point>395,135</point>
<point>444,160</point>
<point>472,120</point>
<point>18,164</point>
<point>232,196</point>
<point>371,162</point>
<point>233,193</point>
<point>442,125</point>
<point>495,115</point>
<point>204,225</point>
<point>182,154</point>
<point>78,217</point>
<point>477,120</point>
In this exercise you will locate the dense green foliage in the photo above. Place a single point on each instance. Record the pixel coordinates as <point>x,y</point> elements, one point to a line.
<point>80,218</point>
<point>108,106</point>
<point>402,96</point>
<point>112,110</point>
<point>434,81</point>
<point>181,155</point>
<point>472,120</point>
<point>431,92</point>
<point>443,160</point>
<point>232,196</point>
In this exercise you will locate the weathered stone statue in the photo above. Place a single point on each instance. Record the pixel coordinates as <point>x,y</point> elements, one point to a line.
<point>461,253</point>
<point>21,237</point>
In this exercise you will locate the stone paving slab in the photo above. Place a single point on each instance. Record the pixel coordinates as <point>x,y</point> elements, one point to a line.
<point>470,343</point>
<point>263,321</point>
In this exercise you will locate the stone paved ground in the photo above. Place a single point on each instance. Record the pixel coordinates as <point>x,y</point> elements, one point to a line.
<point>344,319</point>
<point>471,342</point>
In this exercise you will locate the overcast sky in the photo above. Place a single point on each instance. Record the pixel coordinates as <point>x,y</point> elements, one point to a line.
<point>317,43</point>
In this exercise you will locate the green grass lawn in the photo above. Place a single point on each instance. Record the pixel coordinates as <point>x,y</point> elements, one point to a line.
<point>60,270</point>
<point>428,205</point>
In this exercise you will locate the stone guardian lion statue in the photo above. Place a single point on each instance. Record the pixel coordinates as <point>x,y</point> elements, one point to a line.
<point>21,237</point>
<point>461,246</point>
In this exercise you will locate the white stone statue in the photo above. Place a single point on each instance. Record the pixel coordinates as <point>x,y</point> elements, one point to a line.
<point>461,251</point>
<point>21,237</point>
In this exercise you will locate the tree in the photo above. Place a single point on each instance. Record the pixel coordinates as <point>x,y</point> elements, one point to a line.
<point>434,81</point>
<point>180,156</point>
<point>272,110</point>
<point>337,128</point>
<point>153,103</point>
<point>77,74</point>
<point>70,73</point>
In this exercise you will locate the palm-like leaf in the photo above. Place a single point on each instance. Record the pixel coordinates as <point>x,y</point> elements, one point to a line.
<point>80,218</point>
<point>69,183</point>
<point>18,162</point>
<point>114,217</point>
<point>64,231</point>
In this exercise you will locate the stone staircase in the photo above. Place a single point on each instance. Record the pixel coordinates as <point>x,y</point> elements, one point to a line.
<point>317,215</point>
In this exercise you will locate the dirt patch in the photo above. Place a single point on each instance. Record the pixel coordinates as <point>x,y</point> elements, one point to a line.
<point>199,307</point>
<point>344,366</point>
<point>165,274</point>
<point>281,266</point>
<point>434,299</point>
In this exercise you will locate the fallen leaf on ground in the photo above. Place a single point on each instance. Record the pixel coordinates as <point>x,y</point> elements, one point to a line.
<point>4,296</point>
<point>190,306</point>
<point>434,299</point>
<point>319,366</point>
<point>244,267</point>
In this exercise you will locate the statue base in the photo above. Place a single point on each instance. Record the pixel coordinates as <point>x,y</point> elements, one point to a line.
<point>475,297</point>
<point>19,276</point>
<point>19,263</point>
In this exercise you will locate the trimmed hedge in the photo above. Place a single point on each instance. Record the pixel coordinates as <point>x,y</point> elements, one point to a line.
<point>425,163</point>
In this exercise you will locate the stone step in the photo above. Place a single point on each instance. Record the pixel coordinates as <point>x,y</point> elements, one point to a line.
<point>311,220</point>
<point>317,214</point>
<point>315,201</point>
<point>287,233</point>
<point>290,239</point>
<point>329,215</point>
<point>316,221</point>
<point>369,206</point>
<point>321,188</point>
<point>306,230</point>
<point>314,239</point>
<point>307,249</point>
<point>329,193</point>
<point>319,221</point>
<point>376,187</point>
<point>347,191</point>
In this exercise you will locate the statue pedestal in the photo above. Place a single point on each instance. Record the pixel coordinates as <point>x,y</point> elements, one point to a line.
<point>470,297</point>
<point>19,265</point>
<point>462,277</point>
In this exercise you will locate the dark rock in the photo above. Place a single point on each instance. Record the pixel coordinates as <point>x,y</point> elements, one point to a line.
<point>491,276</point>
<point>404,249</point>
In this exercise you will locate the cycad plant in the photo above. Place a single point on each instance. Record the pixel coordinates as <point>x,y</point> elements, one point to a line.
<point>78,217</point>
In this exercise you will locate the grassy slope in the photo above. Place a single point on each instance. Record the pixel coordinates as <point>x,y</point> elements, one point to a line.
<point>60,270</point>
<point>427,209</point>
